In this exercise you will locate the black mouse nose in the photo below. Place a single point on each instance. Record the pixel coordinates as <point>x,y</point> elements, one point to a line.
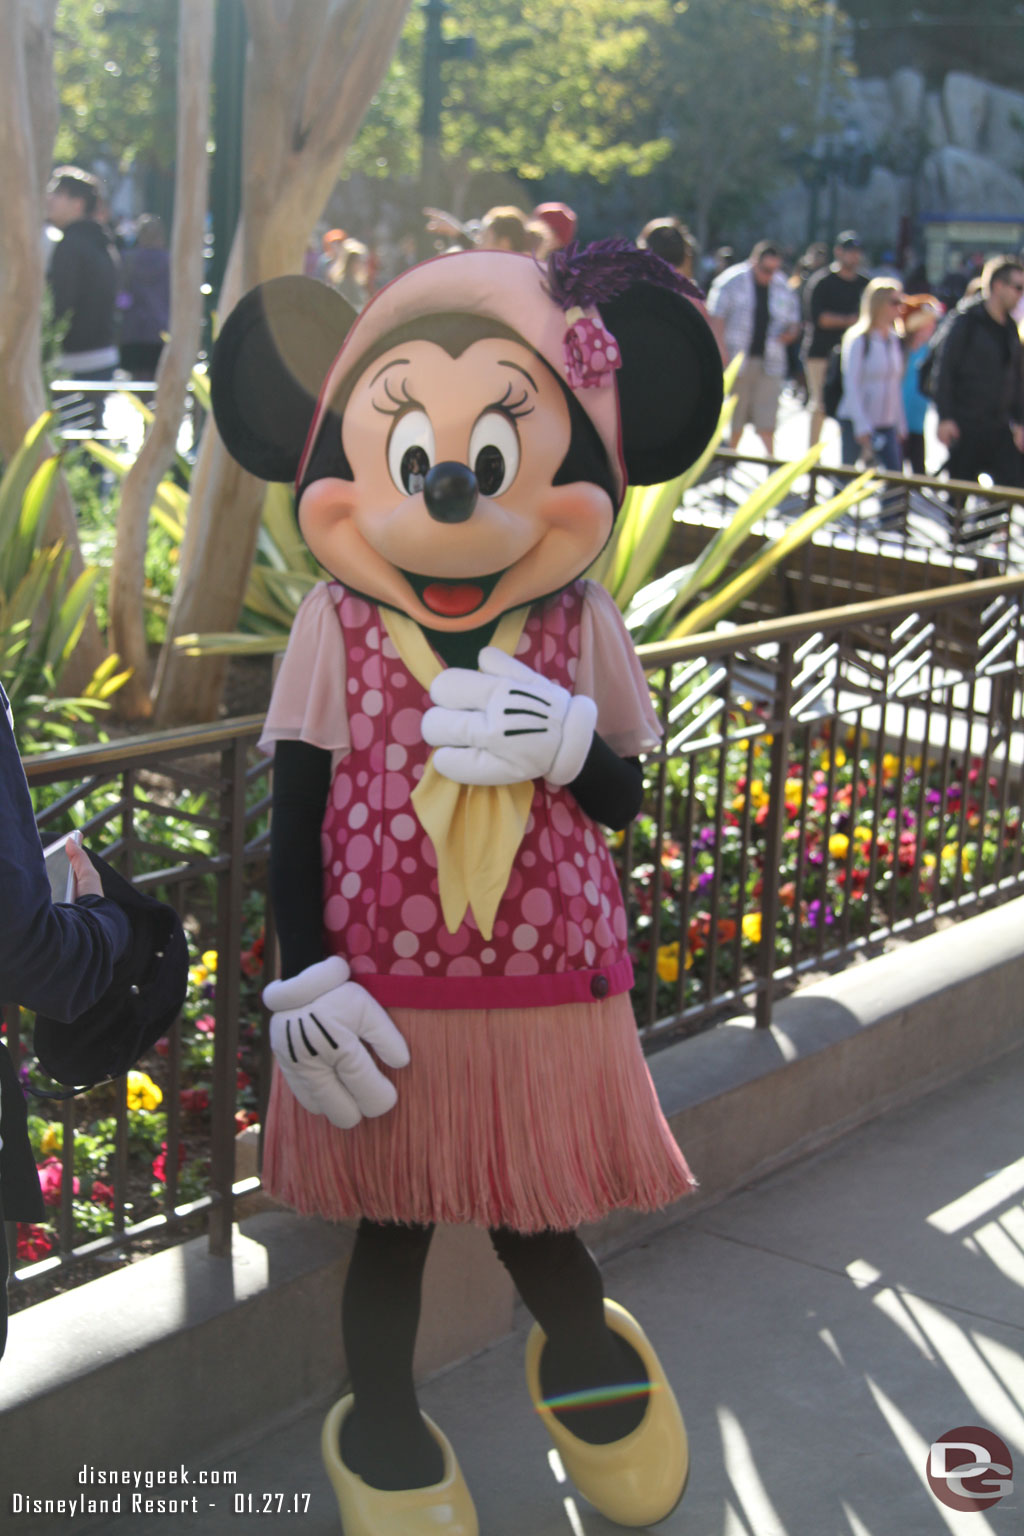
<point>450,492</point>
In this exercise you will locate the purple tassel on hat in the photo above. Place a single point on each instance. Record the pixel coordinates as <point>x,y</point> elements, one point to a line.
<point>582,279</point>
<point>603,270</point>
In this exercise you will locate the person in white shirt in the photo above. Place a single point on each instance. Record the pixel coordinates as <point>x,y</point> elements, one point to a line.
<point>753,310</point>
<point>871,414</point>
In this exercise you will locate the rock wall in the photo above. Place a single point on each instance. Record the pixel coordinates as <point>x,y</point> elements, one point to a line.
<point>957,151</point>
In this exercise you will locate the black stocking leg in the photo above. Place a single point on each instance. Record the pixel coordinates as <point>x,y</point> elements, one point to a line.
<point>384,1438</point>
<point>561,1285</point>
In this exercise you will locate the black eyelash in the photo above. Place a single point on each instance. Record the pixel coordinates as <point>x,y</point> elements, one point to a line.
<point>399,404</point>
<point>512,407</point>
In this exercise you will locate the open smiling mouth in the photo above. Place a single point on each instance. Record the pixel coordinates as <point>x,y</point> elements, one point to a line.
<point>453,599</point>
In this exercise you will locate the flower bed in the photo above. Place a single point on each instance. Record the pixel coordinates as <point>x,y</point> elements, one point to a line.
<point>148,1108</point>
<point>869,838</point>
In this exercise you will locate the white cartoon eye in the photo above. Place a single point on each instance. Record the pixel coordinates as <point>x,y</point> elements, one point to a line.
<point>411,451</point>
<point>494,452</point>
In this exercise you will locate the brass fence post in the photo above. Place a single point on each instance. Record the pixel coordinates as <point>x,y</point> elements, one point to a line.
<point>773,834</point>
<point>230,888</point>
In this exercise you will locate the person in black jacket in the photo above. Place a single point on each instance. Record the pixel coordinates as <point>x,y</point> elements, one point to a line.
<point>58,960</point>
<point>83,280</point>
<point>977,385</point>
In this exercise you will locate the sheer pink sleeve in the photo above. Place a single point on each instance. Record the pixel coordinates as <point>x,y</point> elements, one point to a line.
<point>308,702</point>
<point>611,675</point>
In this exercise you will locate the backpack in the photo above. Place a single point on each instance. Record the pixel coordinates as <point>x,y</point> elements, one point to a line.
<point>832,389</point>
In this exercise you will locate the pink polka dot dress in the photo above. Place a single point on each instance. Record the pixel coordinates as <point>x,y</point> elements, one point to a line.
<point>527,1102</point>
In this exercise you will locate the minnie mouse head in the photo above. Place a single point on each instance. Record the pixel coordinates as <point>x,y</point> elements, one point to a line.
<point>460,448</point>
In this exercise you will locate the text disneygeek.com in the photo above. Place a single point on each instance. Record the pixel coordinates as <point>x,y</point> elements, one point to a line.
<point>118,1491</point>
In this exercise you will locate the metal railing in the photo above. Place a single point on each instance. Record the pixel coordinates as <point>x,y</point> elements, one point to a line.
<point>798,754</point>
<point>919,533</point>
<point>135,799</point>
<point>825,782</point>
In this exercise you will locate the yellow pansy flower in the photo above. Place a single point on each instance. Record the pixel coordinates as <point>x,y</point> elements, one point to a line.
<point>839,845</point>
<point>752,927</point>
<point>210,959</point>
<point>143,1093</point>
<point>863,834</point>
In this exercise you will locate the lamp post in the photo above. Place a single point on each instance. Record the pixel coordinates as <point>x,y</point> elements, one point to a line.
<point>436,51</point>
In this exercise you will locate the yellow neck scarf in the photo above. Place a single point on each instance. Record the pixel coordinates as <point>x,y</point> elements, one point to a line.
<point>476,829</point>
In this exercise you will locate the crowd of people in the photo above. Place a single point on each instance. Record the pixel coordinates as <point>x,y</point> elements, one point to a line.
<point>874,350</point>
<point>876,357</point>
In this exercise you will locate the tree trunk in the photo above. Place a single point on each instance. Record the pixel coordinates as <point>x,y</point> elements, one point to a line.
<point>127,617</point>
<point>312,69</point>
<point>28,126</point>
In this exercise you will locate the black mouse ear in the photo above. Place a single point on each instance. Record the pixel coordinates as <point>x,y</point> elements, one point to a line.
<point>267,367</point>
<point>670,382</point>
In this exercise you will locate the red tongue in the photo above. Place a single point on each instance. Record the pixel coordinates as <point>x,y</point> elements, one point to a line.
<point>452,601</point>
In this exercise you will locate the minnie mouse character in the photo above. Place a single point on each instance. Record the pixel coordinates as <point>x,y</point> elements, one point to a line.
<point>456,712</point>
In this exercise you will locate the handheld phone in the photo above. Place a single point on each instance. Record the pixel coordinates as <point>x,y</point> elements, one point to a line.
<point>58,868</point>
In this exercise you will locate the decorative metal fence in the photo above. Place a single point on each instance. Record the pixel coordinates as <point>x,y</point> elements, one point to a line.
<point>825,781</point>
<point>915,535</point>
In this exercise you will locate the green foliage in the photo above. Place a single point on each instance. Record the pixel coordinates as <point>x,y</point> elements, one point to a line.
<point>687,601</point>
<point>555,85</point>
<point>704,99</point>
<point>283,570</point>
<point>116,66</point>
<point>42,610</point>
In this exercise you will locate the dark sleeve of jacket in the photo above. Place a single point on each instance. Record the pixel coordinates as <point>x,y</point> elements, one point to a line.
<point>302,778</point>
<point>57,960</point>
<point>947,365</point>
<point>64,278</point>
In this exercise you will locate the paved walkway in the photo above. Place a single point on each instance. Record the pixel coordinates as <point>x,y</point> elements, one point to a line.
<point>821,1329</point>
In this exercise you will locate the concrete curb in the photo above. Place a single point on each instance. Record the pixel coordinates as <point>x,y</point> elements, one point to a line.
<point>182,1357</point>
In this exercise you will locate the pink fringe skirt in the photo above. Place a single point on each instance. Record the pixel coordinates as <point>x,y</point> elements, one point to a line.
<point>524,1118</point>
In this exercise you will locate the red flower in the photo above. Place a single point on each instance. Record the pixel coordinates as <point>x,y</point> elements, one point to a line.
<point>33,1242</point>
<point>160,1162</point>
<point>51,1180</point>
<point>242,1080</point>
<point>195,1101</point>
<point>206,1024</point>
<point>102,1194</point>
<point>244,1118</point>
<point>252,959</point>
<point>162,1046</point>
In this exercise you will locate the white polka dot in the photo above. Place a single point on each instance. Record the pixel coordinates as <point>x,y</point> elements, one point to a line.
<point>590,893</point>
<point>525,936</point>
<point>406,944</point>
<point>403,827</point>
<point>396,757</point>
<point>351,885</point>
<point>432,957</point>
<point>337,867</point>
<point>373,702</point>
<point>357,817</point>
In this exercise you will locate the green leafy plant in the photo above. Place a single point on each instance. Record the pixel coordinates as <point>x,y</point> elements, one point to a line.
<point>687,600</point>
<point>283,569</point>
<point>42,609</point>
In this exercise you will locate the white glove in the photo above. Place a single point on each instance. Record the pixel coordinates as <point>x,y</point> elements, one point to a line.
<point>506,724</point>
<point>319,1020</point>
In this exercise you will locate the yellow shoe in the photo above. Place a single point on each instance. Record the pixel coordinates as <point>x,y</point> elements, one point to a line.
<point>444,1509</point>
<point>637,1480</point>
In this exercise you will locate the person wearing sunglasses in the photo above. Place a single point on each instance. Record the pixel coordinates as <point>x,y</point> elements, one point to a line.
<point>978,379</point>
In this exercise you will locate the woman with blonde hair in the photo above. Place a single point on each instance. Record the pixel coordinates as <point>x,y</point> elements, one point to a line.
<point>871,415</point>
